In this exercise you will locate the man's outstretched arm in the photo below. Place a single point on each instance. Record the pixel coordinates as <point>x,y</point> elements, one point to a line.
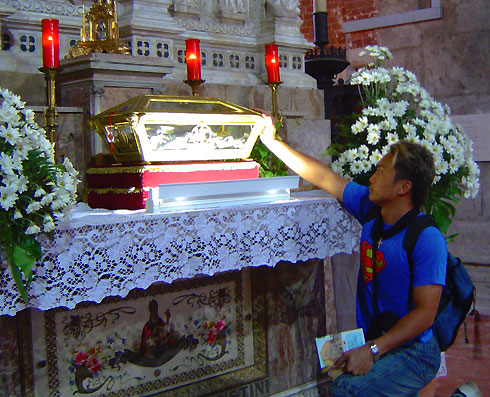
<point>307,167</point>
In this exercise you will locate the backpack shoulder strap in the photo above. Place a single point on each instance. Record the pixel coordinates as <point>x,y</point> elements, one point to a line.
<point>416,226</point>
<point>412,234</point>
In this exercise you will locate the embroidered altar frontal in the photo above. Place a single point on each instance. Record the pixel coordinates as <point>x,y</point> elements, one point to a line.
<point>127,187</point>
<point>187,338</point>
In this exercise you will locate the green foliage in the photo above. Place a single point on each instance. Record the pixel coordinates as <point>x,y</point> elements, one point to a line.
<point>270,164</point>
<point>344,139</point>
<point>440,202</point>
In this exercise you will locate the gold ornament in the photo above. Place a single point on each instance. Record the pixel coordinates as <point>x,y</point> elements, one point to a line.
<point>103,31</point>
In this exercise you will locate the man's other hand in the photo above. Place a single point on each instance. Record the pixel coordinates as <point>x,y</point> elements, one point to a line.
<point>356,361</point>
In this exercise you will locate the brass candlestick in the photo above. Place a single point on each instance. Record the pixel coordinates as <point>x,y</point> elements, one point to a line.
<point>275,112</point>
<point>50,114</point>
<point>194,84</point>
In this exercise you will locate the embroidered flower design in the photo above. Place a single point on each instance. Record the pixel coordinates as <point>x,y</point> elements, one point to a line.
<point>81,358</point>
<point>213,329</point>
<point>89,358</point>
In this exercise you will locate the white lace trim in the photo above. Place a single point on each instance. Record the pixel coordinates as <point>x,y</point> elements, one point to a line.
<point>101,253</point>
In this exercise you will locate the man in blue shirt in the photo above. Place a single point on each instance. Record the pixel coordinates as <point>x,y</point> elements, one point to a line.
<point>406,357</point>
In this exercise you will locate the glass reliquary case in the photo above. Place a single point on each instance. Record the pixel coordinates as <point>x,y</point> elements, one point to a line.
<point>160,128</point>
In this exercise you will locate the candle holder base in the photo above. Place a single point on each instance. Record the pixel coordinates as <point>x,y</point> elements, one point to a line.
<point>275,112</point>
<point>50,114</point>
<point>194,84</point>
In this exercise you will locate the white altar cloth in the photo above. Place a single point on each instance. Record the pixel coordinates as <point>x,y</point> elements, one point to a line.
<point>101,253</point>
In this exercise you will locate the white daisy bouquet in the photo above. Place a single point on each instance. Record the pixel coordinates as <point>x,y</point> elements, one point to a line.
<point>395,107</point>
<point>34,191</point>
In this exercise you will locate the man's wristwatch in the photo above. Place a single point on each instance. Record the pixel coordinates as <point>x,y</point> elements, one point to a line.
<point>374,349</point>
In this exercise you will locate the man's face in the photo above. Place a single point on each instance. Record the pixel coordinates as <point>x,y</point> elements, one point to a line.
<point>382,185</point>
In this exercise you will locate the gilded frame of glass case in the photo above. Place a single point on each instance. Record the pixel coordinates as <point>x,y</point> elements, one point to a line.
<point>160,128</point>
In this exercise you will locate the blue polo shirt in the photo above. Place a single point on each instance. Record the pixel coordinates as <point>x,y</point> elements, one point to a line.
<point>393,275</point>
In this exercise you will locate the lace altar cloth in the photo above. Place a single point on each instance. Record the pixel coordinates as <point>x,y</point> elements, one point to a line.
<point>99,253</point>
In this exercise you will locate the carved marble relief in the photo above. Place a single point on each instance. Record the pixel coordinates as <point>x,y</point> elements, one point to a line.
<point>222,16</point>
<point>233,10</point>
<point>230,17</point>
<point>238,6</point>
<point>282,8</point>
<point>211,6</point>
<point>187,6</point>
<point>45,7</point>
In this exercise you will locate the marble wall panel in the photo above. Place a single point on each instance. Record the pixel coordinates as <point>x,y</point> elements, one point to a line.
<point>9,357</point>
<point>302,102</point>
<point>72,141</point>
<point>458,73</point>
<point>331,324</point>
<point>465,16</point>
<point>481,278</point>
<point>448,55</point>
<point>484,189</point>
<point>296,315</point>
<point>310,136</point>
<point>77,96</point>
<point>345,268</point>
<point>468,209</point>
<point>387,7</point>
<point>30,87</point>
<point>469,104</point>
<point>472,242</point>
<point>113,96</point>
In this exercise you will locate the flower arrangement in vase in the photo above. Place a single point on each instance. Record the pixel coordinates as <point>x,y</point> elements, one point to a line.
<point>395,106</point>
<point>34,191</point>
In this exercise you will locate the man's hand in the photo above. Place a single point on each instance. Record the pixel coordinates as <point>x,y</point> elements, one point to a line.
<point>268,133</point>
<point>305,166</point>
<point>356,361</point>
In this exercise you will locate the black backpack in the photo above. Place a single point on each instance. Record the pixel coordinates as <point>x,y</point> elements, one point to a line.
<point>457,295</point>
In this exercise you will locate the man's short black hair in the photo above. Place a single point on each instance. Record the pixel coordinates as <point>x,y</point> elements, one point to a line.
<point>415,163</point>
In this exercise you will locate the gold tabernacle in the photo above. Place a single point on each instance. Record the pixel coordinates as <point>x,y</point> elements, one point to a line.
<point>103,31</point>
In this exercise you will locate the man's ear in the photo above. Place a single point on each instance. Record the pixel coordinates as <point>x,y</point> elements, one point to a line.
<point>405,187</point>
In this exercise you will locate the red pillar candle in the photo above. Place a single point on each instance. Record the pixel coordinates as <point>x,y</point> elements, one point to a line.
<point>272,63</point>
<point>193,59</point>
<point>51,43</point>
